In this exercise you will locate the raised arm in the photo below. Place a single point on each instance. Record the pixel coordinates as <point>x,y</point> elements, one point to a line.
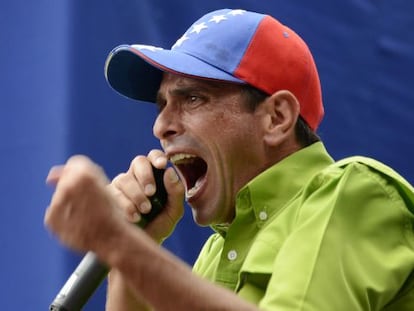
<point>84,215</point>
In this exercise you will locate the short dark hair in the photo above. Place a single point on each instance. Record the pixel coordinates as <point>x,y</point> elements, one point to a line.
<point>304,134</point>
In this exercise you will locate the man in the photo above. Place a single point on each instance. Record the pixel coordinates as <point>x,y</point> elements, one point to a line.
<point>239,103</point>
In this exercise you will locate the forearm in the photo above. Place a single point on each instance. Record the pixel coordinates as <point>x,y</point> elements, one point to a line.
<point>163,280</point>
<point>120,297</point>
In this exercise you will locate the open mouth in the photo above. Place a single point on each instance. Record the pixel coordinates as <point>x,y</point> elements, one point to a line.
<point>193,170</point>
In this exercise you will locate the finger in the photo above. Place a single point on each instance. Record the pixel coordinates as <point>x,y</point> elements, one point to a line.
<point>163,225</point>
<point>130,195</point>
<point>141,168</point>
<point>47,218</point>
<point>128,207</point>
<point>54,174</point>
<point>175,189</point>
<point>83,167</point>
<point>158,158</point>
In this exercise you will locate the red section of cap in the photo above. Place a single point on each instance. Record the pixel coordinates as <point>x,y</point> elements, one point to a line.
<point>278,59</point>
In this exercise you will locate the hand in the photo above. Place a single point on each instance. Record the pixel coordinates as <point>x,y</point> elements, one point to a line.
<point>81,212</point>
<point>132,189</point>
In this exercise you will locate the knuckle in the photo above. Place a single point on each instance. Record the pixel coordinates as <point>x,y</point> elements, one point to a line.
<point>119,179</point>
<point>157,158</point>
<point>154,153</point>
<point>138,160</point>
<point>81,178</point>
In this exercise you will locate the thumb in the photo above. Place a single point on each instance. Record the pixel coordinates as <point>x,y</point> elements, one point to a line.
<point>163,225</point>
<point>174,187</point>
<point>54,174</point>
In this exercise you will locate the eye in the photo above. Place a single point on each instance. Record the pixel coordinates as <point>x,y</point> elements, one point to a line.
<point>195,100</point>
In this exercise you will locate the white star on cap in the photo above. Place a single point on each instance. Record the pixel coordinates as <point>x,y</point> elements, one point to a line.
<point>217,18</point>
<point>146,47</point>
<point>180,41</point>
<point>198,27</point>
<point>237,12</point>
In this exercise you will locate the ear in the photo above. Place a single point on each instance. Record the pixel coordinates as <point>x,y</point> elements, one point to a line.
<point>281,113</point>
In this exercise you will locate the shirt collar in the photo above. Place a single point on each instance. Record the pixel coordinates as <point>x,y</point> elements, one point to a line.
<point>268,192</point>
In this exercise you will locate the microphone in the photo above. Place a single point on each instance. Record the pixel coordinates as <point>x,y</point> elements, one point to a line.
<point>90,272</point>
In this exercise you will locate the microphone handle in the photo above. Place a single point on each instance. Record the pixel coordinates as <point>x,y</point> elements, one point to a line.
<point>90,272</point>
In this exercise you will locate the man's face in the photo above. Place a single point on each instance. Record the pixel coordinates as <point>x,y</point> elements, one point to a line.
<point>214,142</point>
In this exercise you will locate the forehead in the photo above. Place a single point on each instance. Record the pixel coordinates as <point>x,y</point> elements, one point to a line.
<point>171,82</point>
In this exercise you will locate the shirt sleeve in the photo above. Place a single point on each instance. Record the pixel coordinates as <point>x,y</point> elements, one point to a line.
<point>351,245</point>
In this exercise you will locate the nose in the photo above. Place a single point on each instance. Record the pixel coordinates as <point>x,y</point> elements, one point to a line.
<point>167,124</point>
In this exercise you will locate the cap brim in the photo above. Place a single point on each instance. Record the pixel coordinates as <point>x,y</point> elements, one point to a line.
<point>136,72</point>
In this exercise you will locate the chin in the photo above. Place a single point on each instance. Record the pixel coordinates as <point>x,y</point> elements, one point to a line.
<point>200,219</point>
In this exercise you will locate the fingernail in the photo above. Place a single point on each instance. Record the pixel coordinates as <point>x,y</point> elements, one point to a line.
<point>136,217</point>
<point>149,190</point>
<point>145,207</point>
<point>173,176</point>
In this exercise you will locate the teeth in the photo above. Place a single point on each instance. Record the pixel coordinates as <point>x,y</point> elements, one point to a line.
<point>193,190</point>
<point>181,157</point>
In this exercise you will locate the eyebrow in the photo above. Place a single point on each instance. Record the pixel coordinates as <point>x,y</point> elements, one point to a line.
<point>188,89</point>
<point>200,85</point>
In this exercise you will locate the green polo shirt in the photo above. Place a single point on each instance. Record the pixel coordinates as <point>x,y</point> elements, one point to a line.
<point>310,234</point>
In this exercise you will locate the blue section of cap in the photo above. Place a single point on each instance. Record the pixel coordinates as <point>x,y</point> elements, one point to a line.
<point>181,63</point>
<point>211,48</point>
<point>220,38</point>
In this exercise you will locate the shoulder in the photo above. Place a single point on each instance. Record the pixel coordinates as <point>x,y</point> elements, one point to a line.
<point>359,194</point>
<point>355,173</point>
<point>377,176</point>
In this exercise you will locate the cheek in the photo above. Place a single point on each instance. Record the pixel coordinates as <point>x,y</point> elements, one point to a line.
<point>211,125</point>
<point>230,122</point>
<point>226,132</point>
<point>227,129</point>
<point>238,136</point>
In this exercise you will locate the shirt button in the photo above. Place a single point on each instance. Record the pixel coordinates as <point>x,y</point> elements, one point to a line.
<point>232,255</point>
<point>263,215</point>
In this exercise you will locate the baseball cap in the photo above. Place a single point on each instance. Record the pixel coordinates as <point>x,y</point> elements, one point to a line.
<point>225,45</point>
